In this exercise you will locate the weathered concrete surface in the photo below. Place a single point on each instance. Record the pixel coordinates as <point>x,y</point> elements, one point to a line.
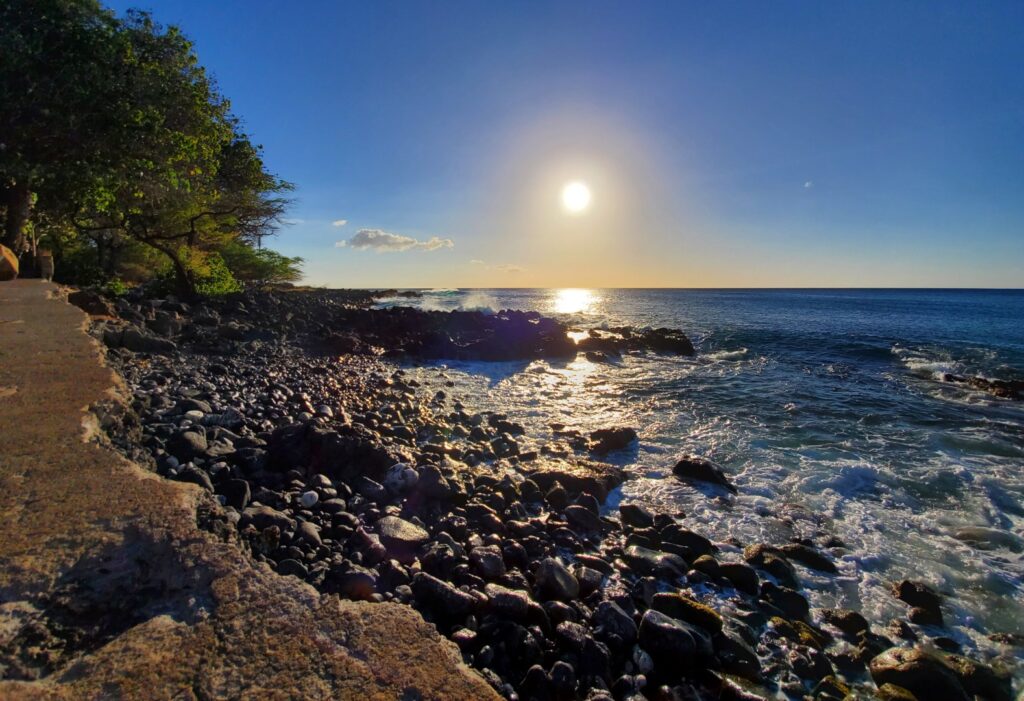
<point>108,589</point>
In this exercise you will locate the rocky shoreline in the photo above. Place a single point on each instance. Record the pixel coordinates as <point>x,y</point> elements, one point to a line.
<point>325,461</point>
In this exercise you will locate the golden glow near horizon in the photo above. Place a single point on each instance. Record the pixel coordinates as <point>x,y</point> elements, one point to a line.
<point>576,197</point>
<point>574,301</point>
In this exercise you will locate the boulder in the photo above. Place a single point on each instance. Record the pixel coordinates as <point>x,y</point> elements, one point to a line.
<point>701,470</point>
<point>555,582</point>
<point>91,302</point>
<point>579,477</point>
<point>606,440</point>
<point>921,673</point>
<point>401,538</point>
<point>135,339</point>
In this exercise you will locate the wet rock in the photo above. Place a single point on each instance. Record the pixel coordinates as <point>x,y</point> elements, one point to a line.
<point>736,656</point>
<point>849,622</point>
<point>920,596</point>
<point>580,477</point>
<point>686,609</point>
<point>742,576</point>
<point>647,561</point>
<point>635,516</point>
<point>607,440</point>
<point>979,679</point>
<point>790,602</point>
<point>554,581</point>
<point>582,518</point>
<point>610,618</point>
<point>925,617</point>
<point>401,538</point>
<point>810,557</point>
<point>670,642</point>
<point>701,470</point>
<point>919,672</point>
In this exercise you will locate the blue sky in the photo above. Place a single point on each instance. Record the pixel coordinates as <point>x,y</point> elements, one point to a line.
<point>726,144</point>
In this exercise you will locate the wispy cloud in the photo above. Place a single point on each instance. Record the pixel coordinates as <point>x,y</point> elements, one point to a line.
<point>339,222</point>
<point>386,242</point>
<point>293,222</point>
<point>502,268</point>
<point>808,184</point>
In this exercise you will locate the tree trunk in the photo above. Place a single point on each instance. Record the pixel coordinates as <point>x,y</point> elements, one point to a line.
<point>183,278</point>
<point>18,200</point>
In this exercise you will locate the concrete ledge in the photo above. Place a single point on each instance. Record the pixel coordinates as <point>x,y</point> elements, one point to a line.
<point>108,588</point>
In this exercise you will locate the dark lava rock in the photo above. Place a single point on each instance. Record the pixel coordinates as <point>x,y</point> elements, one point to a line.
<point>195,476</point>
<point>292,567</point>
<point>850,622</point>
<point>647,561</point>
<point>186,445</point>
<point>921,673</point>
<point>610,618</point>
<point>401,538</point>
<point>263,517</point>
<point>673,644</point>
<point>810,557</point>
<point>686,609</point>
<point>440,597</point>
<point>91,302</point>
<point>580,477</point>
<point>509,603</point>
<point>701,470</point>
<point>359,585</point>
<point>790,602</point>
<point>554,581</point>
<point>606,440</point>
<point>925,617</point>
<point>980,679</point>
<point>134,339</point>
<point>582,518</point>
<point>487,561</point>
<point>918,594</point>
<point>635,516</point>
<point>235,492</point>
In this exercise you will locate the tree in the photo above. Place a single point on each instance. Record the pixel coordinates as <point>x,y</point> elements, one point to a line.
<point>117,130</point>
<point>55,89</point>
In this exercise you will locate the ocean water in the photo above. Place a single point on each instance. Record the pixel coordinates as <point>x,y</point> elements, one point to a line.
<point>828,409</point>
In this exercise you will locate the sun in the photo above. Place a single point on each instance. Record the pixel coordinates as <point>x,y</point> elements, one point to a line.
<point>576,197</point>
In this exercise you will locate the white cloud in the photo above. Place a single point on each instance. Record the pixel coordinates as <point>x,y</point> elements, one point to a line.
<point>339,222</point>
<point>386,242</point>
<point>808,185</point>
<point>477,261</point>
<point>293,222</point>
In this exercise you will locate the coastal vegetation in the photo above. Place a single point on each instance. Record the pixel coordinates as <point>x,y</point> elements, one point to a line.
<point>120,154</point>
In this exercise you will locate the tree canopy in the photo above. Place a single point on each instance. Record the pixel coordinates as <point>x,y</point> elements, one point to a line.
<point>114,137</point>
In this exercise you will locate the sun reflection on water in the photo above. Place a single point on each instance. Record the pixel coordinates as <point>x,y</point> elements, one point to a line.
<point>574,301</point>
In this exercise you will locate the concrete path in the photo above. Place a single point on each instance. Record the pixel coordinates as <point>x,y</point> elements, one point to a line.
<point>108,589</point>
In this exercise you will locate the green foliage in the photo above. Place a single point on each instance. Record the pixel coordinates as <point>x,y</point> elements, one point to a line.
<point>115,287</point>
<point>117,129</point>
<point>208,273</point>
<point>260,266</point>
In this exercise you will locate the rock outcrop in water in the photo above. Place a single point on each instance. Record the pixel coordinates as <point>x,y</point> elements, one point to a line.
<point>347,474</point>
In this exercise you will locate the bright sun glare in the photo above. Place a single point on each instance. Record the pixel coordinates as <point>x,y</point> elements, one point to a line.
<point>573,301</point>
<point>576,197</point>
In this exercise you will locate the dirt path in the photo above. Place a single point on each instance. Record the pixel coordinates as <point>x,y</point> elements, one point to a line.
<point>108,589</point>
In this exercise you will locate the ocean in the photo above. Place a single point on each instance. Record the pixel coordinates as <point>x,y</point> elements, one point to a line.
<point>832,412</point>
